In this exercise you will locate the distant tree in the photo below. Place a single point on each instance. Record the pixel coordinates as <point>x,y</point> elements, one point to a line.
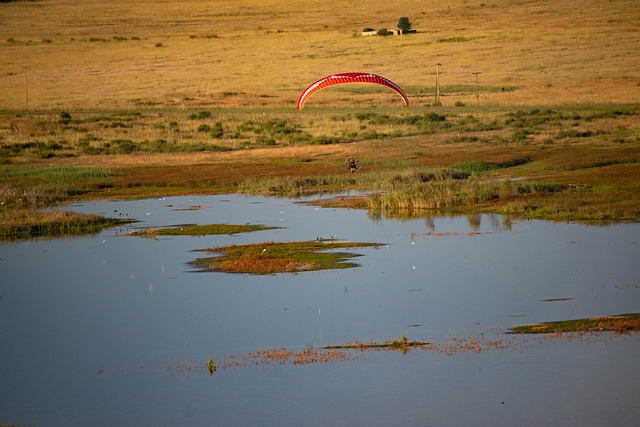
<point>404,24</point>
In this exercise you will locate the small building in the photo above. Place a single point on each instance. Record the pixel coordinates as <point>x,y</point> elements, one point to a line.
<point>396,32</point>
<point>400,32</point>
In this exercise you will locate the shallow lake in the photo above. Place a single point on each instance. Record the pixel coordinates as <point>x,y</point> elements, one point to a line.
<point>112,329</point>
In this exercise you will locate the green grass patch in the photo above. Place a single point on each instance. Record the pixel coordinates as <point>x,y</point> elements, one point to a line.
<point>297,186</point>
<point>200,230</point>
<point>26,190</point>
<point>622,323</point>
<point>26,223</point>
<point>482,166</point>
<point>53,174</point>
<point>289,257</point>
<point>37,187</point>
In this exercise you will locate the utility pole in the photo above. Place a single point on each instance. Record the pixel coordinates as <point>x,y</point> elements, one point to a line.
<point>477,88</point>
<point>438,83</point>
<point>26,85</point>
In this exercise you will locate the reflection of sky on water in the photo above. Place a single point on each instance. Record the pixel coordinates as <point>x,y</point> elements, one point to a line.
<point>128,306</point>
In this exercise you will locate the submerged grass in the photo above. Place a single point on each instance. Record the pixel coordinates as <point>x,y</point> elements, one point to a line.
<point>622,323</point>
<point>356,351</point>
<point>452,346</point>
<point>402,344</point>
<point>200,230</point>
<point>272,257</point>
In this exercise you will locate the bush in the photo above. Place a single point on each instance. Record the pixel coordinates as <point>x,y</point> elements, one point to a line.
<point>572,133</point>
<point>124,146</point>
<point>265,141</point>
<point>200,115</point>
<point>521,134</point>
<point>65,118</point>
<point>217,131</point>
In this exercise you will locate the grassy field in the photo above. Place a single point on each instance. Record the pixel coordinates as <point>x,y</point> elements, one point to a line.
<point>263,53</point>
<point>175,97</point>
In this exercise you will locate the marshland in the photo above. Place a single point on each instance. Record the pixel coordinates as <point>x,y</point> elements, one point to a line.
<point>503,199</point>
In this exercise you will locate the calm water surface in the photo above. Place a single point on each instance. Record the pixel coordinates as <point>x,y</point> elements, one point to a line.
<point>115,330</point>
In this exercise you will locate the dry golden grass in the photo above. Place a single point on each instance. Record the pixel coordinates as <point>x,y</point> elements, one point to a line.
<point>262,53</point>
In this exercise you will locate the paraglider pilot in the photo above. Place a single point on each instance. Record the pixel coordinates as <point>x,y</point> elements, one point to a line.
<point>353,164</point>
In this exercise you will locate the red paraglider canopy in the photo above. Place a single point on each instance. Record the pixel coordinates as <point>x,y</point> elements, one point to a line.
<point>336,79</point>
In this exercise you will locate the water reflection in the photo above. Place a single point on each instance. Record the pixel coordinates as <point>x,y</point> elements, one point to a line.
<point>101,330</point>
<point>498,222</point>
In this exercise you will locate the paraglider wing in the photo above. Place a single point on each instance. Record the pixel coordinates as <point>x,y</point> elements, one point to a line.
<point>336,79</point>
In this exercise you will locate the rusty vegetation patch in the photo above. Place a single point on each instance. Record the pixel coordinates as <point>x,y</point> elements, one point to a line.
<point>288,257</point>
<point>199,230</point>
<point>356,351</point>
<point>621,324</point>
<point>341,353</point>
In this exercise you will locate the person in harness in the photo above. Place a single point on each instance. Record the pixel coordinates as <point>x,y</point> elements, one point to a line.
<point>353,164</point>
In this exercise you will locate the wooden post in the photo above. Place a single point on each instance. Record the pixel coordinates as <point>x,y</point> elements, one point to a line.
<point>26,85</point>
<point>438,83</point>
<point>477,88</point>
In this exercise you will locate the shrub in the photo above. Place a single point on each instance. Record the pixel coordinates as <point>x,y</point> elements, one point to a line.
<point>65,118</point>
<point>217,131</point>
<point>265,140</point>
<point>124,146</point>
<point>521,134</point>
<point>573,133</point>
<point>200,115</point>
